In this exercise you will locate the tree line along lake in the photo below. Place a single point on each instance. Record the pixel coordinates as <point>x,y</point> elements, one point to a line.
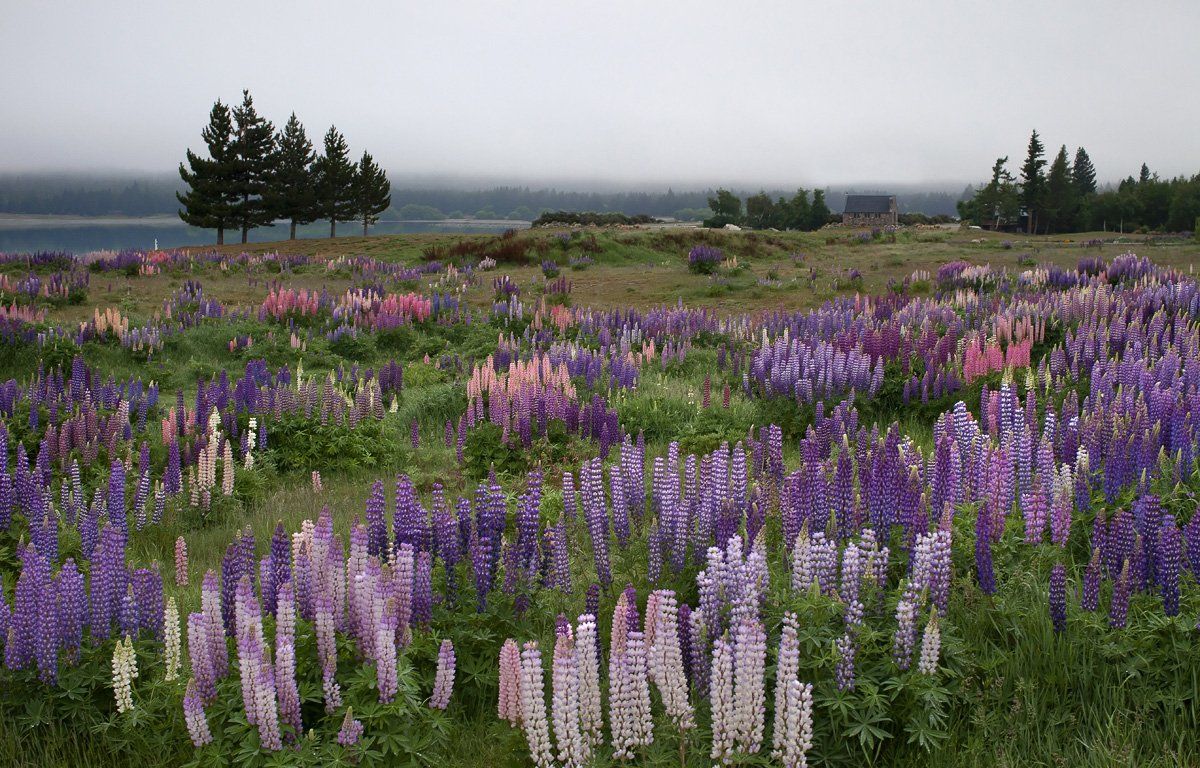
<point>24,232</point>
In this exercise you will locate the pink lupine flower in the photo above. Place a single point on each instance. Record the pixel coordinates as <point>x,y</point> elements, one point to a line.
<point>509,706</point>
<point>181,562</point>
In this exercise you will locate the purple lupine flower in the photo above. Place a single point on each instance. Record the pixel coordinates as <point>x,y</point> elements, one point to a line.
<point>193,714</point>
<point>285,661</point>
<point>109,581</point>
<point>116,496</point>
<point>444,679</point>
<point>1058,597</point>
<point>1118,609</point>
<point>1092,577</point>
<point>377,533</point>
<point>1169,560</point>
<point>351,730</point>
<point>147,587</point>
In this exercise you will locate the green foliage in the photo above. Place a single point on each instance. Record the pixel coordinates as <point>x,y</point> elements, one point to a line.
<point>299,444</point>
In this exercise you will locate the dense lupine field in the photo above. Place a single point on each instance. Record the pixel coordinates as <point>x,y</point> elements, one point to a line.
<point>450,511</point>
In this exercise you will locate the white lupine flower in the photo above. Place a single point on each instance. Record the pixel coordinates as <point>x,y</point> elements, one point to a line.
<point>227,470</point>
<point>629,698</point>
<point>591,715</point>
<point>931,645</point>
<point>533,706</point>
<point>172,650</point>
<point>749,695</point>
<point>572,749</point>
<point>667,659</point>
<point>124,672</point>
<point>786,670</point>
<point>796,738</point>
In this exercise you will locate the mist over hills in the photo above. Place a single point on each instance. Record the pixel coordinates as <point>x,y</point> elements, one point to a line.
<point>432,197</point>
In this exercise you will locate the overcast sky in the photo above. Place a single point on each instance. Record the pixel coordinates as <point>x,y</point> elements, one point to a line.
<point>695,92</point>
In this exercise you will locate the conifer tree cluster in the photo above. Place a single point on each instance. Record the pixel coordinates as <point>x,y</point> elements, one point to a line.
<point>254,176</point>
<point>1066,197</point>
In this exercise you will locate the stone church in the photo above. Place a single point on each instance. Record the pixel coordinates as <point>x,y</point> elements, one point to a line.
<point>870,211</point>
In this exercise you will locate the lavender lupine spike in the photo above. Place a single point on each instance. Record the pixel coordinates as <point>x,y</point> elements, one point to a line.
<point>721,696</point>
<point>1092,577</point>
<point>629,697</point>
<point>443,686</point>
<point>194,717</point>
<point>351,730</point>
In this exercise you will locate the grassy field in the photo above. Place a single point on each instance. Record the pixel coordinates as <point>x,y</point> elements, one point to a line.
<point>1010,690</point>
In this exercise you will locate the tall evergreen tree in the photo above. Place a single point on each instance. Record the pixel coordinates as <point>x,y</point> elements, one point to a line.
<point>253,164</point>
<point>1033,181</point>
<point>1060,204</point>
<point>819,211</point>
<point>1144,174</point>
<point>292,194</point>
<point>1083,174</point>
<point>334,174</point>
<point>372,191</point>
<point>799,211</point>
<point>209,201</point>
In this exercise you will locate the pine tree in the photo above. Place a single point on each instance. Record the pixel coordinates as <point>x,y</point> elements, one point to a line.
<point>292,195</point>
<point>1033,182</point>
<point>799,211</point>
<point>253,165</point>
<point>209,201</point>
<point>1061,204</point>
<point>1083,174</point>
<point>372,191</point>
<point>334,174</point>
<point>1144,174</point>
<point>819,211</point>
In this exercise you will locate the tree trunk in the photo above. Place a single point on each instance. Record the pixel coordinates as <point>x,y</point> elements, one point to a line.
<point>245,232</point>
<point>221,235</point>
<point>292,236</point>
<point>364,226</point>
<point>332,228</point>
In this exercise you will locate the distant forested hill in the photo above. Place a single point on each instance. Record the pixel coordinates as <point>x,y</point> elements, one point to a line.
<point>97,195</point>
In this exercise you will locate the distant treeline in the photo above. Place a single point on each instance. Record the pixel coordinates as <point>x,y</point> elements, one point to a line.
<point>125,196</point>
<point>67,195</point>
<point>588,218</point>
<point>1065,197</point>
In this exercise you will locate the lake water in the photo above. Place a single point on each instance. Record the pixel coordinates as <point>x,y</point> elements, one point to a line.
<point>79,234</point>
